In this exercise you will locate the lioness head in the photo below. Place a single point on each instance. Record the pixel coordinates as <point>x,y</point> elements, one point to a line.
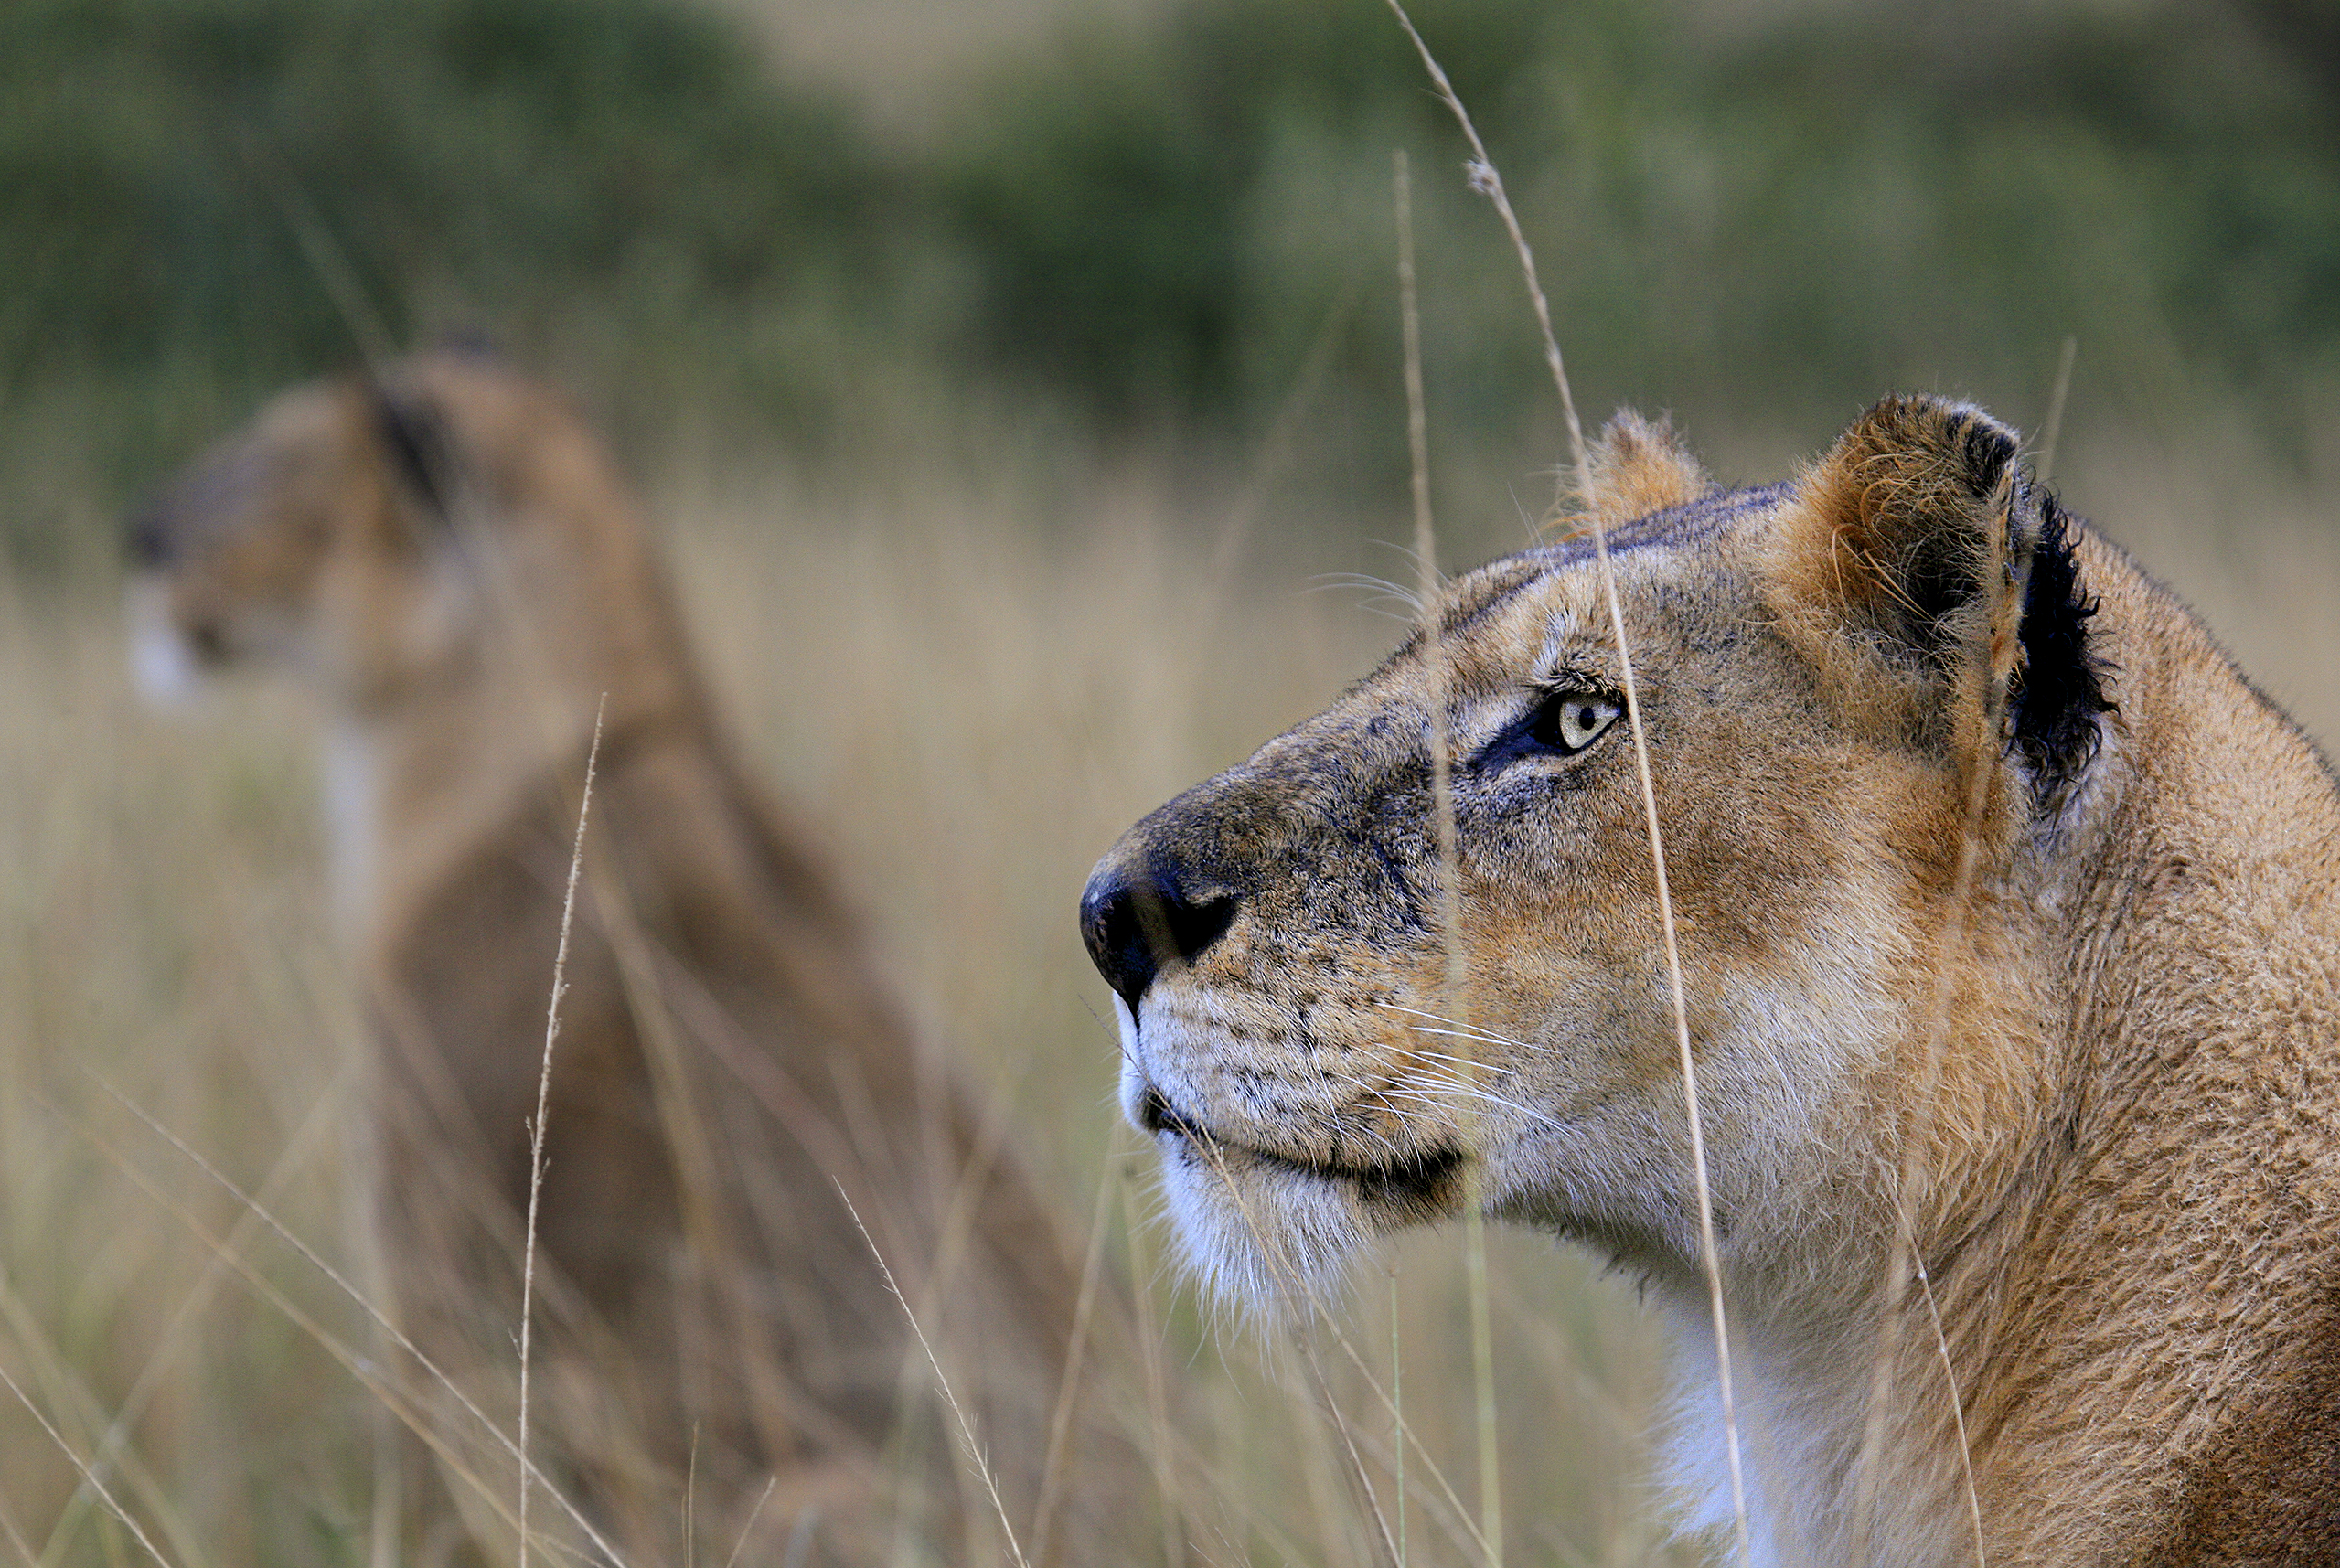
<point>1330,1029</point>
<point>366,532</point>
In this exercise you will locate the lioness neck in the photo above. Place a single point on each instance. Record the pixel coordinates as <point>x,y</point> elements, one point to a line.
<point>2051,1310</point>
<point>569,621</point>
<point>2172,1294</point>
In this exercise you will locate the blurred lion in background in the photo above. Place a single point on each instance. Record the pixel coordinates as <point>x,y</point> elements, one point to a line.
<point>443,554</point>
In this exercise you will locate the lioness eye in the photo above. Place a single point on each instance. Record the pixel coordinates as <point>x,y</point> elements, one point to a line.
<point>1570,721</point>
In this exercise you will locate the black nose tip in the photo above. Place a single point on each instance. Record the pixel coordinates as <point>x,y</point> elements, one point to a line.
<point>1137,920</point>
<point>146,540</point>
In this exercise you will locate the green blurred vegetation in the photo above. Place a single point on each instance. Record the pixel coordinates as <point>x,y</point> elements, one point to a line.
<point>206,198</point>
<point>1794,206</point>
<point>1744,212</point>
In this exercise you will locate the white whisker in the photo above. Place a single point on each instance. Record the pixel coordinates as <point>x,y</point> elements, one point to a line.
<point>1469,1092</point>
<point>1462,1030</point>
<point>1482,1039</point>
<point>1465,1062</point>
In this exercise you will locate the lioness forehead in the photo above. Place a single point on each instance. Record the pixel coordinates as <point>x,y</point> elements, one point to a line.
<point>1700,525</point>
<point>1503,621</point>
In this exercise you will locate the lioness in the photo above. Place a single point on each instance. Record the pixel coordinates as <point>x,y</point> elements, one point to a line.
<point>2008,911</point>
<point>445,557</point>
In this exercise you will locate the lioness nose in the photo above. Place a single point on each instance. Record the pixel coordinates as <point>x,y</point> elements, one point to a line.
<point>146,538</point>
<point>1136,919</point>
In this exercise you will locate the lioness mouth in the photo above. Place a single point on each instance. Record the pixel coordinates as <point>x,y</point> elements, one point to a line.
<point>1423,1181</point>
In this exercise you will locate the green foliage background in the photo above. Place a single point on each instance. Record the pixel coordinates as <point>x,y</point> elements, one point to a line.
<point>1797,204</point>
<point>209,198</point>
<point>1744,213</point>
<point>1072,382</point>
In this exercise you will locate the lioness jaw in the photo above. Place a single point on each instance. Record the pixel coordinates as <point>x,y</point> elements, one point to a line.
<point>2007,927</point>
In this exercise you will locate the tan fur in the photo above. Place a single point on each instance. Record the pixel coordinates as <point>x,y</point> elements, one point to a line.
<point>2106,1055</point>
<point>448,560</point>
<point>1637,468</point>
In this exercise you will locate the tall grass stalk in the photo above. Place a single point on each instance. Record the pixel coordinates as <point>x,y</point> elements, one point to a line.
<point>536,1123</point>
<point>739,1542</point>
<point>1453,991</point>
<point>1958,1414</point>
<point>88,1471</point>
<point>1331,1411</point>
<point>1917,1128</point>
<point>1465,1530</point>
<point>325,258</point>
<point>942,1380</point>
<point>1149,1361</point>
<point>1298,1289</point>
<point>309,1326</point>
<point>1398,1410</point>
<point>73,1405</point>
<point>1336,1541</point>
<point>2052,431</point>
<point>15,1539</point>
<point>1903,1251</point>
<point>1488,180</point>
<point>1708,1256</point>
<point>1952,951</point>
<point>362,1370</point>
<point>1060,1422</point>
<point>150,1376</point>
<point>1278,449</point>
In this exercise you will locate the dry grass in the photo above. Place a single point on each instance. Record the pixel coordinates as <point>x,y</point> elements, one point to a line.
<point>968,676</point>
<point>965,706</point>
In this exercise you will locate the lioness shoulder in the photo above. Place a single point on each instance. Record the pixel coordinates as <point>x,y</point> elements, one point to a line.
<point>2009,921</point>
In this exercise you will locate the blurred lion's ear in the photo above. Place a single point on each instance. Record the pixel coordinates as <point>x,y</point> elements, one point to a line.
<point>475,344</point>
<point>421,450</point>
<point>1639,467</point>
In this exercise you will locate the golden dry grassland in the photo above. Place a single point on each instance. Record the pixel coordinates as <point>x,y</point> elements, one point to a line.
<point>968,673</point>
<point>967,656</point>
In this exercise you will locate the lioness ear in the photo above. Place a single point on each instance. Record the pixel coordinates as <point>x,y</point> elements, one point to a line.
<point>1637,468</point>
<point>415,438</point>
<point>1936,587</point>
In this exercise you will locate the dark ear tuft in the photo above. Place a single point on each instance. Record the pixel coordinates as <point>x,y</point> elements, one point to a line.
<point>1938,591</point>
<point>421,455</point>
<point>1984,447</point>
<point>2058,689</point>
<point>1896,530</point>
<point>474,344</point>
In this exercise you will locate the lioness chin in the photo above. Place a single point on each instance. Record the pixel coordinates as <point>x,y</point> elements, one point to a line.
<point>2007,922</point>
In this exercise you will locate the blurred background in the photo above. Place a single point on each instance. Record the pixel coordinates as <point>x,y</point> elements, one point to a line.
<point>1016,384</point>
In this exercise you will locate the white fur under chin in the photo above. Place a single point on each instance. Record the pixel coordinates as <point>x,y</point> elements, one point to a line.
<point>352,817</point>
<point>162,667</point>
<point>1697,1457</point>
<point>1266,1241</point>
<point>1792,1459</point>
